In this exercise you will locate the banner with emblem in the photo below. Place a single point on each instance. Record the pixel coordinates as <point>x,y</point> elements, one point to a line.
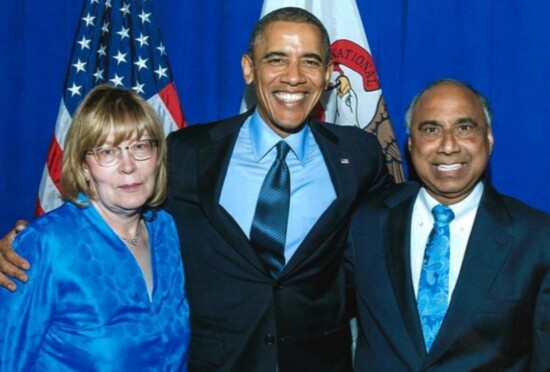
<point>355,96</point>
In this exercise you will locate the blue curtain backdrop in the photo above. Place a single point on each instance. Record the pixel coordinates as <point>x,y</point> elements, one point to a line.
<point>500,46</point>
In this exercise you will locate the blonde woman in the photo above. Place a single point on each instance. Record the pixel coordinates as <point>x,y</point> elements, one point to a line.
<point>106,288</point>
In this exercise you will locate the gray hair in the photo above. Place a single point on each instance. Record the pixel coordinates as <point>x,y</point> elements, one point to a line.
<point>484,102</point>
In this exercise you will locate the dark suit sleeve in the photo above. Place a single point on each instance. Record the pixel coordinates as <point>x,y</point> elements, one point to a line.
<point>349,252</point>
<point>540,360</point>
<point>171,159</point>
<point>181,146</point>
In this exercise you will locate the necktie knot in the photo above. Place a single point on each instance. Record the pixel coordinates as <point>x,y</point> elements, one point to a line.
<point>443,214</point>
<point>282,150</point>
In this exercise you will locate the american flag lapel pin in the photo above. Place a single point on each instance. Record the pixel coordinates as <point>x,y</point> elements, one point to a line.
<point>344,161</point>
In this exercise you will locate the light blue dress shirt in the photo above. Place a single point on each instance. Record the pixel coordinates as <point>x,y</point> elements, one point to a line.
<point>311,189</point>
<point>86,305</point>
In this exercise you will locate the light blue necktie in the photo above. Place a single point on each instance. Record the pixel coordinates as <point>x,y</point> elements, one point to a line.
<point>433,290</point>
<point>268,232</point>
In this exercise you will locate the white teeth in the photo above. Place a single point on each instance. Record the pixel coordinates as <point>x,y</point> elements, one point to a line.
<point>449,167</point>
<point>290,97</point>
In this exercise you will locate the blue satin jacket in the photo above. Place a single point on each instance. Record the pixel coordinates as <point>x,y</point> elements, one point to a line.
<point>86,306</point>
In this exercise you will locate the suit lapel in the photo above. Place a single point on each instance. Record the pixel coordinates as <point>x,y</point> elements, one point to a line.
<point>337,160</point>
<point>487,249</point>
<point>213,160</point>
<point>344,182</point>
<point>397,252</point>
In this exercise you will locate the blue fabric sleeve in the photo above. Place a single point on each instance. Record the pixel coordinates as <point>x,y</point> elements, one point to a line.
<point>26,314</point>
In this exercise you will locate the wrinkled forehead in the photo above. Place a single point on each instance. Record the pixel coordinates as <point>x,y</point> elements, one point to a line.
<point>280,34</point>
<point>448,103</point>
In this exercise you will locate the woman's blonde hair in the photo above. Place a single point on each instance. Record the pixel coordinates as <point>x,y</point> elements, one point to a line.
<point>103,110</point>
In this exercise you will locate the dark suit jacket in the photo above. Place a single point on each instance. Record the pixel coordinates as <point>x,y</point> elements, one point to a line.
<point>499,315</point>
<point>242,320</point>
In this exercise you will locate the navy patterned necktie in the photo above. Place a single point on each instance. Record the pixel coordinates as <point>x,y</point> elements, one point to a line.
<point>433,289</point>
<point>268,232</point>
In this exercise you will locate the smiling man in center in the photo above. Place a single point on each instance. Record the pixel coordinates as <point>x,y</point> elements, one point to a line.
<point>249,313</point>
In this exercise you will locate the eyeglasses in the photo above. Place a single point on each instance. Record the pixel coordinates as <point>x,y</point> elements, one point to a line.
<point>109,156</point>
<point>465,131</point>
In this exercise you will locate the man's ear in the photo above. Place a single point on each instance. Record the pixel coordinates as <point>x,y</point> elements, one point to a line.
<point>248,68</point>
<point>328,74</point>
<point>491,140</point>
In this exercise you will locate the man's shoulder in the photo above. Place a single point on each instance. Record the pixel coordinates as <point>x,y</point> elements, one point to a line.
<point>361,147</point>
<point>377,211</point>
<point>520,213</point>
<point>195,134</point>
<point>388,198</point>
<point>342,132</point>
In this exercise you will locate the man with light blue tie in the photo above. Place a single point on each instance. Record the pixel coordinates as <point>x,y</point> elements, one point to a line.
<point>450,275</point>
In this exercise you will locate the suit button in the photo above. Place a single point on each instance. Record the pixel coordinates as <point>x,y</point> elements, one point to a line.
<point>269,339</point>
<point>277,286</point>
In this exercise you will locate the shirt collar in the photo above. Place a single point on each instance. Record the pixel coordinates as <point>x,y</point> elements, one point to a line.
<point>461,208</point>
<point>263,139</point>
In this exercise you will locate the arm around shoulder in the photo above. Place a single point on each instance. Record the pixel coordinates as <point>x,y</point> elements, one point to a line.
<point>11,264</point>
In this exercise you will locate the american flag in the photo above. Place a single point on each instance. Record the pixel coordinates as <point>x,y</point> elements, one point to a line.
<point>119,43</point>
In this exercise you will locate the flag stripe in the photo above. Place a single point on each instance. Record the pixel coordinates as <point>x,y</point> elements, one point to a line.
<point>55,155</point>
<point>171,101</point>
<point>62,124</point>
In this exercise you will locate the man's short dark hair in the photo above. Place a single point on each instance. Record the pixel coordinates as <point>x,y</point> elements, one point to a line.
<point>289,14</point>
